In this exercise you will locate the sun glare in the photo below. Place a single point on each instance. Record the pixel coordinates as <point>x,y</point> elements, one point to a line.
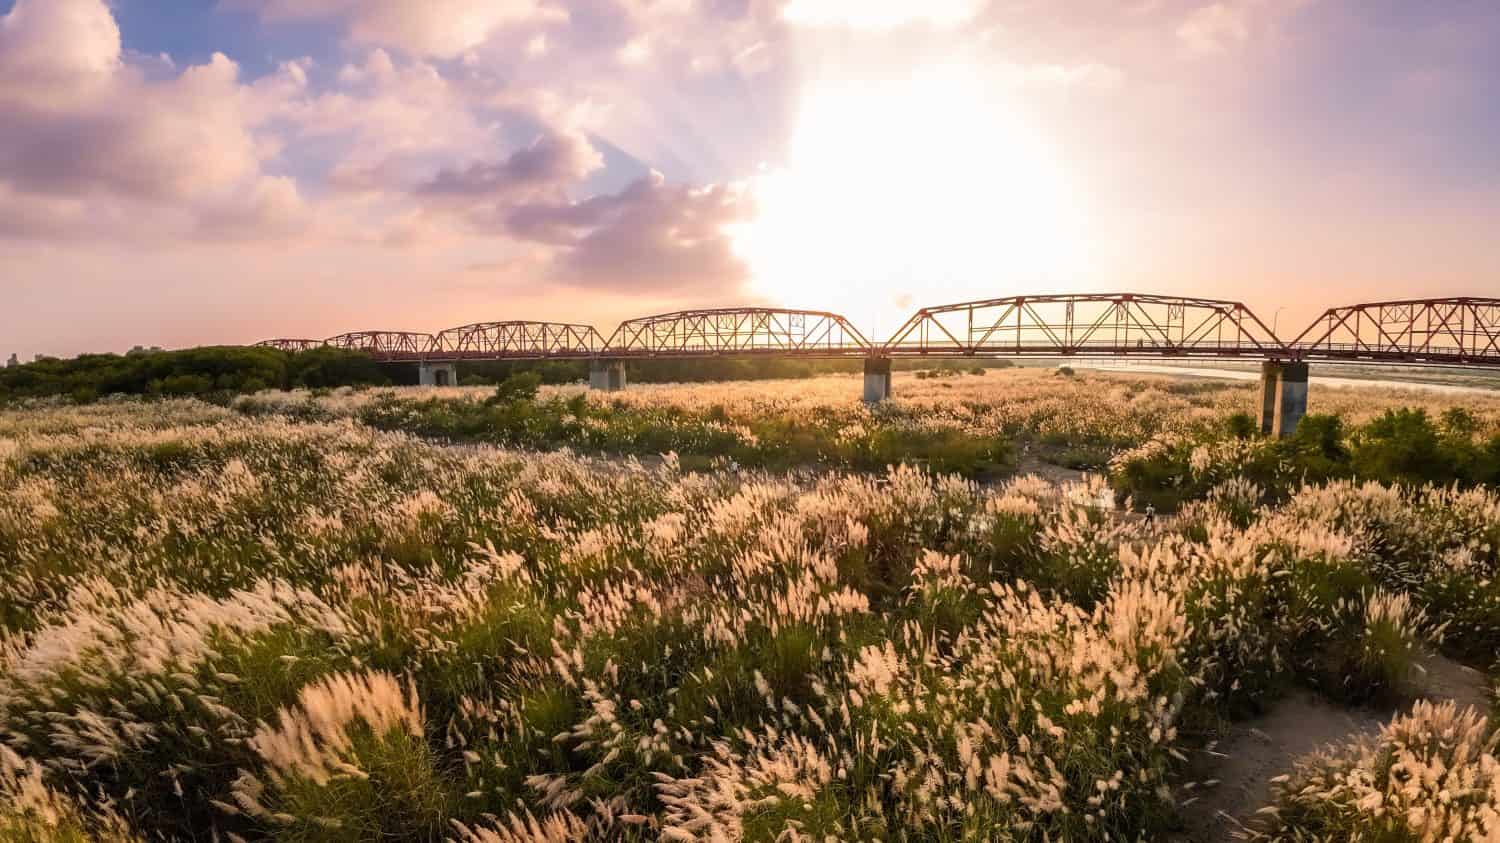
<point>908,190</point>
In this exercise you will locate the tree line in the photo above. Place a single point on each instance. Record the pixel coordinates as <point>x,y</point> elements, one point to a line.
<point>205,371</point>
<point>220,371</point>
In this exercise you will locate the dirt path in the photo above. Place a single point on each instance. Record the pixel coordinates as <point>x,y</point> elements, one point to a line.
<point>1255,751</point>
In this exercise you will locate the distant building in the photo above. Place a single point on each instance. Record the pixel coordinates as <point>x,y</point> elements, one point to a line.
<point>143,349</point>
<point>13,361</point>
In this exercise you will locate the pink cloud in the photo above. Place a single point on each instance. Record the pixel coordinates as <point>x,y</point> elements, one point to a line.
<point>651,236</point>
<point>53,52</point>
<point>272,208</point>
<point>81,125</point>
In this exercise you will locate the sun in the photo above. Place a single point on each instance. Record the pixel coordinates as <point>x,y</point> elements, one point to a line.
<point>909,191</point>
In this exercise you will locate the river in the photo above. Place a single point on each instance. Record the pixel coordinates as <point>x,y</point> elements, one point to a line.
<point>1313,379</point>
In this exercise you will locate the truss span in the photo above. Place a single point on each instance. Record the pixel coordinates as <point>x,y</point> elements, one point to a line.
<point>285,344</point>
<point>1105,324</point>
<point>1457,331</point>
<point>740,331</point>
<point>384,345</point>
<point>518,340</point>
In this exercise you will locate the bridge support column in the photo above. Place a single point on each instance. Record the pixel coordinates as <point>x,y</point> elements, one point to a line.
<point>437,374</point>
<point>877,379</point>
<point>607,375</point>
<point>1283,396</point>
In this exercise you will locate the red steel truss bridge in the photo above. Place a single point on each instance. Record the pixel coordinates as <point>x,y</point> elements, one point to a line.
<point>1458,331</point>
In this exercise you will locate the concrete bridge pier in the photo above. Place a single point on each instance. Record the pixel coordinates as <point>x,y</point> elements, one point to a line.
<point>877,379</point>
<point>607,375</point>
<point>437,374</point>
<point>1283,396</point>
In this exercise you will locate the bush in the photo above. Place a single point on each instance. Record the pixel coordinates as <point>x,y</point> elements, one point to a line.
<point>1380,658</point>
<point>518,387</point>
<point>180,385</point>
<point>1401,447</point>
<point>330,367</point>
<point>1241,425</point>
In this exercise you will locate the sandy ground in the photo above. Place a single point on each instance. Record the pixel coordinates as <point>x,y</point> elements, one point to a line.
<point>1059,475</point>
<point>1255,751</point>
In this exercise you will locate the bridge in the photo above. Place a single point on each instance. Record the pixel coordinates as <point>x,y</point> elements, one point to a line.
<point>1452,332</point>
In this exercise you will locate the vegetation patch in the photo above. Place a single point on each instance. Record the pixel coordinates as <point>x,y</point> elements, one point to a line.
<point>282,624</point>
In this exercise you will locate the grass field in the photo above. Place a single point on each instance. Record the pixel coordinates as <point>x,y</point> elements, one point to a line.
<point>349,616</point>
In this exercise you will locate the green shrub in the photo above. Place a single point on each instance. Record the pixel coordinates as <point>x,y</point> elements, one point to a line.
<point>1402,446</point>
<point>518,387</point>
<point>1241,425</point>
<point>180,385</point>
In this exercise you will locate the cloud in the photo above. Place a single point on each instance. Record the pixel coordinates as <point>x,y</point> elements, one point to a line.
<point>388,124</point>
<point>84,129</point>
<point>651,237</point>
<point>1214,28</point>
<point>439,28</point>
<point>654,77</point>
<point>549,165</point>
<point>171,140</point>
<point>1227,25</point>
<point>55,51</point>
<point>880,14</point>
<point>272,208</point>
<point>26,218</point>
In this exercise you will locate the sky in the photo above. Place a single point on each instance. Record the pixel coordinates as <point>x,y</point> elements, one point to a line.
<point>188,172</point>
